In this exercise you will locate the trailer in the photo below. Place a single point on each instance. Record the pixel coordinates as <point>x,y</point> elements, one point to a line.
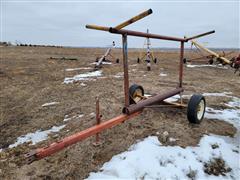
<point>134,100</point>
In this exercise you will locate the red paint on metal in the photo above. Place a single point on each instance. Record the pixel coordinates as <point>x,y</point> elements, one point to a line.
<point>57,146</point>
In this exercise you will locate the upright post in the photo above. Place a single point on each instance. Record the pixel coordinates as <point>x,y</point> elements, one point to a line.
<point>125,69</point>
<point>181,64</point>
<point>98,121</point>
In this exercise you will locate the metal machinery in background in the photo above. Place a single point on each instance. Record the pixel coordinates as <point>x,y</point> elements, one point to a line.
<point>105,58</point>
<point>135,101</point>
<point>213,57</point>
<point>148,56</point>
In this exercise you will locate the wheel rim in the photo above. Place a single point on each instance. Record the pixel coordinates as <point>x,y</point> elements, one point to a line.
<point>200,109</point>
<point>137,96</point>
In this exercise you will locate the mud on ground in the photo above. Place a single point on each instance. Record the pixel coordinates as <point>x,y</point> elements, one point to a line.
<point>29,79</point>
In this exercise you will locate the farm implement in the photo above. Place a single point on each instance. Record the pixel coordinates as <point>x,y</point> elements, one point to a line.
<point>148,55</point>
<point>214,57</point>
<point>134,98</point>
<point>106,57</point>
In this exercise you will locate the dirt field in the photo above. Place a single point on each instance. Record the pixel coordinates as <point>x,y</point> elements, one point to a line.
<point>29,79</point>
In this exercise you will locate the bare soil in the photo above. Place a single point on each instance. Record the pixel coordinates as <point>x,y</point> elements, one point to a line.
<point>29,79</point>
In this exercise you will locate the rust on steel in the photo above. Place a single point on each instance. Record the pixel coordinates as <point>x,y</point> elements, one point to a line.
<point>134,19</point>
<point>150,101</point>
<point>98,118</point>
<point>143,34</point>
<point>200,35</point>
<point>181,64</point>
<point>59,145</point>
<point>125,69</point>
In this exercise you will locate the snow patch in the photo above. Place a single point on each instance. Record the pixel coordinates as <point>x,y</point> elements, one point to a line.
<point>50,104</point>
<point>67,118</point>
<point>149,159</point>
<point>103,62</point>
<point>76,69</point>
<point>119,75</point>
<point>226,94</point>
<point>37,136</point>
<point>83,77</point>
<point>163,74</point>
<point>83,84</point>
<point>207,65</point>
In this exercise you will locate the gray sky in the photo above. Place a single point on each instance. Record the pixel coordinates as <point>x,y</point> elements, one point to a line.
<point>63,22</point>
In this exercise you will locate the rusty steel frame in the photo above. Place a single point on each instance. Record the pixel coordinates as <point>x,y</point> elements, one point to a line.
<point>129,111</point>
<point>59,145</point>
<point>150,101</point>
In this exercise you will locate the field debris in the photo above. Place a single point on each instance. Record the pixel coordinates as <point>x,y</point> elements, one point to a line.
<point>37,136</point>
<point>50,104</point>
<point>83,77</point>
<point>63,58</point>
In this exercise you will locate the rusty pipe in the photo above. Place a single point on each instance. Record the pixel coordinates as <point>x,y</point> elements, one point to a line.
<point>143,34</point>
<point>134,19</point>
<point>152,100</point>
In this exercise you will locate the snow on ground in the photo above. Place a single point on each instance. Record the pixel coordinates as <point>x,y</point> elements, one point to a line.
<point>119,75</point>
<point>67,118</point>
<point>163,74</point>
<point>50,104</point>
<point>83,77</point>
<point>103,62</point>
<point>226,94</point>
<point>207,65</point>
<point>76,69</point>
<point>37,136</point>
<point>149,159</point>
<point>83,84</point>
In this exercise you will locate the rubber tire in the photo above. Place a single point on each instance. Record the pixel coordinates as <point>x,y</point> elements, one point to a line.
<point>148,68</point>
<point>155,60</point>
<point>138,60</point>
<point>132,89</point>
<point>117,61</point>
<point>184,60</point>
<point>192,108</point>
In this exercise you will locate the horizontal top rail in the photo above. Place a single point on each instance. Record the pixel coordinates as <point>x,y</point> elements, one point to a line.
<point>143,34</point>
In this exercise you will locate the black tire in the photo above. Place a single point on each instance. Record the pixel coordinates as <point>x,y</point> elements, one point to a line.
<point>196,108</point>
<point>149,68</point>
<point>184,60</point>
<point>138,60</point>
<point>133,99</point>
<point>155,60</point>
<point>117,61</point>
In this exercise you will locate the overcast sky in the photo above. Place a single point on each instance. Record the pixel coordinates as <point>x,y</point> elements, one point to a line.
<point>63,22</point>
